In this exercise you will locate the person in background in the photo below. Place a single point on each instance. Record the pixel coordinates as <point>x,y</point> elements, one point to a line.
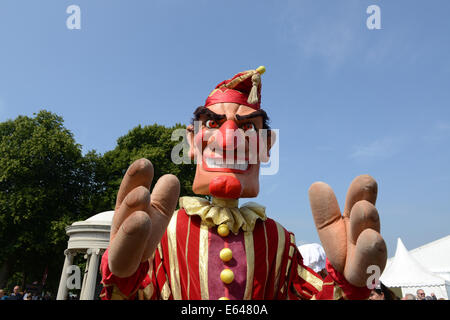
<point>409,296</point>
<point>432,296</point>
<point>381,292</point>
<point>420,294</point>
<point>3,296</point>
<point>16,295</point>
<point>26,294</point>
<point>47,296</point>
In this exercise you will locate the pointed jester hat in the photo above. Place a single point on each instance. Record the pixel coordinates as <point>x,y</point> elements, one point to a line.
<point>244,88</point>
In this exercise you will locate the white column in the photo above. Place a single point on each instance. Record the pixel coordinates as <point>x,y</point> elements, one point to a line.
<point>63,290</point>
<point>91,280</point>
<point>85,273</point>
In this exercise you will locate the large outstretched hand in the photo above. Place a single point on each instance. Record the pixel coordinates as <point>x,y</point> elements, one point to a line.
<point>352,241</point>
<point>140,218</point>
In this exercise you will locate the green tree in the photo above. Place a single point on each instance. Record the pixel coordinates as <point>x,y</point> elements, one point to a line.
<point>152,142</point>
<point>45,185</point>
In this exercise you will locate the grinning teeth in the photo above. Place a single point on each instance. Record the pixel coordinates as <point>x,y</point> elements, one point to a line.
<point>219,163</point>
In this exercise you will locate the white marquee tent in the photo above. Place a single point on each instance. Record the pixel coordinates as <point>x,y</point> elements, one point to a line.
<point>435,256</point>
<point>404,272</point>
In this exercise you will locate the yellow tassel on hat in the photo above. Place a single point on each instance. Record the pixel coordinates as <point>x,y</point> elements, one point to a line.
<point>261,69</point>
<point>256,80</point>
<point>247,74</point>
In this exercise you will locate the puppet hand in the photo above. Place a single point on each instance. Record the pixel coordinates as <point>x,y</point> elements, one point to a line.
<point>352,241</point>
<point>140,219</point>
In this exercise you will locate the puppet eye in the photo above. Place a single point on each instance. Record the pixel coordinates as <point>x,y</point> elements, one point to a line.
<point>212,124</point>
<point>248,126</point>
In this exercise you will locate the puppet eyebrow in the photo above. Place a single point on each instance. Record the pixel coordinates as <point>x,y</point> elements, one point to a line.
<point>251,115</point>
<point>215,116</point>
<point>210,114</point>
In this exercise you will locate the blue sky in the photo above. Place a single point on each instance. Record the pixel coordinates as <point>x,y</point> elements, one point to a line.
<point>347,100</point>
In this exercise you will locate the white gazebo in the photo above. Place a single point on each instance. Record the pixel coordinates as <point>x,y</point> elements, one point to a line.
<point>406,273</point>
<point>91,238</point>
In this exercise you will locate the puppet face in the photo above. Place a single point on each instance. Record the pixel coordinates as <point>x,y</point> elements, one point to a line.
<point>229,147</point>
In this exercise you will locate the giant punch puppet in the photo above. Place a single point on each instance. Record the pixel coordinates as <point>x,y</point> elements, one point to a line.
<point>219,250</point>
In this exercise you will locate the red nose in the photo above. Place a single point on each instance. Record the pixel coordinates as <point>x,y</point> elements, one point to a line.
<point>229,138</point>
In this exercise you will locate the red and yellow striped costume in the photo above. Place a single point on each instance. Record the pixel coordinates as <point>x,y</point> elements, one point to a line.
<point>266,263</point>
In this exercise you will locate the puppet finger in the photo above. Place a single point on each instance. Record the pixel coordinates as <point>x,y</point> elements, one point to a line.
<point>139,173</point>
<point>370,250</point>
<point>165,194</point>
<point>363,216</point>
<point>329,223</point>
<point>164,199</point>
<point>363,187</point>
<point>136,200</point>
<point>126,250</point>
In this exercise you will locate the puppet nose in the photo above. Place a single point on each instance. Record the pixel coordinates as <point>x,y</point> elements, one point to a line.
<point>229,135</point>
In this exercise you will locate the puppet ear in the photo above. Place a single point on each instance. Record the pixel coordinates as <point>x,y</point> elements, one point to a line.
<point>267,142</point>
<point>190,140</point>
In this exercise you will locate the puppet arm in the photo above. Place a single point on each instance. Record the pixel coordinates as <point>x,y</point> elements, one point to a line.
<point>305,284</point>
<point>116,288</point>
<point>139,222</point>
<point>352,241</point>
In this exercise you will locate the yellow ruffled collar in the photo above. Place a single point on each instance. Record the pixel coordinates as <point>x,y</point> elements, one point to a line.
<point>224,211</point>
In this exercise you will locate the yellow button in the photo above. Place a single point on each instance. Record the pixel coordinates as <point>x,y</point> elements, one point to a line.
<point>223,230</point>
<point>226,254</point>
<point>223,298</point>
<point>227,276</point>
